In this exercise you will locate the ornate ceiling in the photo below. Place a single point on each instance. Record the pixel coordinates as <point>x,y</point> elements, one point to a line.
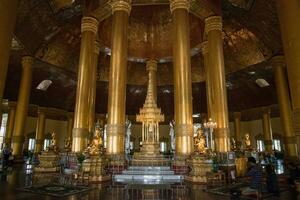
<point>51,32</point>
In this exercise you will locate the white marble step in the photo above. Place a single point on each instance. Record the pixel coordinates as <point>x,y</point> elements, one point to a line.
<point>148,179</point>
<point>149,168</point>
<point>148,172</point>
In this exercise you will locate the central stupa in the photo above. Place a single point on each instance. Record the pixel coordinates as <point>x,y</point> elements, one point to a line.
<point>150,116</point>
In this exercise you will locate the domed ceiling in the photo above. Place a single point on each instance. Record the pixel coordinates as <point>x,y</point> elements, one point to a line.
<point>50,31</point>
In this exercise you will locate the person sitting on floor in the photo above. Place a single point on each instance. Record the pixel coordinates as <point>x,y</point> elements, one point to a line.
<point>255,173</point>
<point>272,182</point>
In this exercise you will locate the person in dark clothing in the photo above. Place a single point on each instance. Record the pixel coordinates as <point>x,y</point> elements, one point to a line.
<point>255,172</point>
<point>272,182</point>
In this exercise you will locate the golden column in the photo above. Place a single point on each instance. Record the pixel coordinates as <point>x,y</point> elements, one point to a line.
<point>10,123</point>
<point>267,130</point>
<point>70,125</point>
<point>22,105</point>
<point>89,28</point>
<point>237,129</point>
<point>213,29</point>
<point>208,83</point>
<point>1,114</point>
<point>182,79</point>
<point>117,80</point>
<point>40,130</point>
<point>283,95</point>
<point>8,10</point>
<point>93,88</point>
<point>289,13</point>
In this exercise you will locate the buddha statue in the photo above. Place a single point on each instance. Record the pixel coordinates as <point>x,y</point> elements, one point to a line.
<point>68,143</point>
<point>200,142</point>
<point>53,143</point>
<point>247,141</point>
<point>96,144</point>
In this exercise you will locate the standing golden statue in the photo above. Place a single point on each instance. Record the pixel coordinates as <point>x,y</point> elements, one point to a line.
<point>53,143</point>
<point>247,141</point>
<point>200,142</point>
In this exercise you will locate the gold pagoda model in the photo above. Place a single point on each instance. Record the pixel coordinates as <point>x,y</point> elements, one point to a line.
<point>150,116</point>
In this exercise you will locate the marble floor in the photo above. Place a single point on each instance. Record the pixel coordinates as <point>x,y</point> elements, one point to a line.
<point>20,177</point>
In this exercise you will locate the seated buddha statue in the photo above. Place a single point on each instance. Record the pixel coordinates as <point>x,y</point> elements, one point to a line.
<point>96,144</point>
<point>200,142</point>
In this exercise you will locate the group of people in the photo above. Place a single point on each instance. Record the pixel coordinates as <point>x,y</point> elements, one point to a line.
<point>7,157</point>
<point>255,172</point>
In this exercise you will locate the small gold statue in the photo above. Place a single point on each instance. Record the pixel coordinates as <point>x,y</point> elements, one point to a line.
<point>247,141</point>
<point>233,143</point>
<point>96,144</point>
<point>68,143</point>
<point>200,142</point>
<point>53,144</point>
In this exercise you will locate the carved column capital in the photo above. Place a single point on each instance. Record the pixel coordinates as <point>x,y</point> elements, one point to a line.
<point>12,105</point>
<point>237,115</point>
<point>89,24</point>
<point>213,23</point>
<point>151,65</point>
<point>121,5</point>
<point>278,61</point>
<point>176,4</point>
<point>27,61</point>
<point>42,110</point>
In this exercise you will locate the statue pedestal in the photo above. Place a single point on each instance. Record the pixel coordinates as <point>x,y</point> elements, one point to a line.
<point>94,166</point>
<point>149,156</point>
<point>199,165</point>
<point>49,162</point>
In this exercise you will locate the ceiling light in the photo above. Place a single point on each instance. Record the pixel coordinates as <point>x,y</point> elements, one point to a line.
<point>262,82</point>
<point>229,85</point>
<point>138,91</point>
<point>166,91</point>
<point>44,85</point>
<point>196,115</point>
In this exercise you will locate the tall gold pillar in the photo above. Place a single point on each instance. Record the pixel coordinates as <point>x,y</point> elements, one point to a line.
<point>117,80</point>
<point>208,83</point>
<point>237,128</point>
<point>93,87</point>
<point>1,115</point>
<point>10,123</point>
<point>267,130</point>
<point>40,130</point>
<point>70,125</point>
<point>288,14</point>
<point>290,142</point>
<point>22,105</point>
<point>213,29</point>
<point>89,28</point>
<point>8,10</point>
<point>182,78</point>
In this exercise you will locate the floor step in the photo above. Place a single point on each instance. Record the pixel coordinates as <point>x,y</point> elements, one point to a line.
<point>149,168</point>
<point>144,172</point>
<point>148,179</point>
